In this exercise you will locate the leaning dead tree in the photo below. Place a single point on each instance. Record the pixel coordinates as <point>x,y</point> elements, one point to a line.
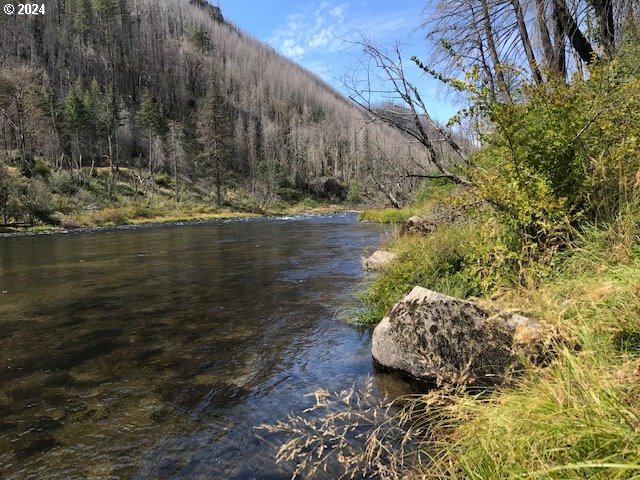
<point>388,95</point>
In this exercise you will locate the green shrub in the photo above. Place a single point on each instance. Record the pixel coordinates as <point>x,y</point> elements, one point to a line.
<point>62,182</point>
<point>38,202</point>
<point>42,168</point>
<point>565,154</point>
<point>438,262</point>
<point>164,180</point>
<point>354,192</point>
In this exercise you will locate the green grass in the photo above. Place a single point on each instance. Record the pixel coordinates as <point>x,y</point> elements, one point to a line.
<point>436,262</point>
<point>579,417</point>
<point>389,215</point>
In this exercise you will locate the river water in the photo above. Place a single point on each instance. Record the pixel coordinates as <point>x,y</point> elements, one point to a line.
<point>154,352</point>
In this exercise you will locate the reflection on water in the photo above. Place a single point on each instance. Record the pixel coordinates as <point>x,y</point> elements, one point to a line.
<point>153,353</point>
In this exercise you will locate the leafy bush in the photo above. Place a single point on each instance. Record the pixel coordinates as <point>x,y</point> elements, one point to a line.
<point>42,168</point>
<point>165,181</point>
<point>38,202</point>
<point>354,192</point>
<point>438,262</point>
<point>62,182</point>
<point>565,154</point>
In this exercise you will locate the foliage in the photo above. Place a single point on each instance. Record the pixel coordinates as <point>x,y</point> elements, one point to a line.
<point>579,417</point>
<point>354,192</point>
<point>200,39</point>
<point>563,155</point>
<point>150,115</point>
<point>438,262</point>
<point>164,180</point>
<point>388,215</point>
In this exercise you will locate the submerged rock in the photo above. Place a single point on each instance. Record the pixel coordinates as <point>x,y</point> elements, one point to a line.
<point>379,260</point>
<point>448,340</point>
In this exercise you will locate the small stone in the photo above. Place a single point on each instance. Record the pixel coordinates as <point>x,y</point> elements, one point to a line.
<point>379,260</point>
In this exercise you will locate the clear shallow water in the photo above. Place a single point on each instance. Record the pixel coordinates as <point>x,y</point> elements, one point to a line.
<point>153,353</point>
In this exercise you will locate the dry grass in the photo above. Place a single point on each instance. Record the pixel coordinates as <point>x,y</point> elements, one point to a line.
<point>579,417</point>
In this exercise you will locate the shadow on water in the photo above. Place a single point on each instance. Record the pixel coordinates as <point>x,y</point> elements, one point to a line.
<point>154,353</point>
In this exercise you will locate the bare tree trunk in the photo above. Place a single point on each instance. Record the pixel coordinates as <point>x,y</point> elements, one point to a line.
<point>606,26</point>
<point>526,42</point>
<point>493,51</point>
<point>571,29</point>
<point>559,38</point>
<point>543,33</point>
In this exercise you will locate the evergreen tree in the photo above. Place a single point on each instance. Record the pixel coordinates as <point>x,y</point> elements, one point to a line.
<point>76,118</point>
<point>200,39</point>
<point>151,121</point>
<point>81,14</point>
<point>214,136</point>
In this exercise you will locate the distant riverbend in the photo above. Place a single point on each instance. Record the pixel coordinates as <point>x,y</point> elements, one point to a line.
<point>153,353</point>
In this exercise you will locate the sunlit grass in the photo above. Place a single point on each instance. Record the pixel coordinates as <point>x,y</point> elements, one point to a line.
<point>578,417</point>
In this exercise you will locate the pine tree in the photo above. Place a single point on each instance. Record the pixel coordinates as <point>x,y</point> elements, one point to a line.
<point>151,121</point>
<point>76,118</point>
<point>214,136</point>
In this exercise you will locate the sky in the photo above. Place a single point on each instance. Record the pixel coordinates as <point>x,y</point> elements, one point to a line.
<point>320,36</point>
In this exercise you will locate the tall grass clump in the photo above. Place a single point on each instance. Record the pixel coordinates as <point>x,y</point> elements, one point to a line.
<point>580,417</point>
<point>437,261</point>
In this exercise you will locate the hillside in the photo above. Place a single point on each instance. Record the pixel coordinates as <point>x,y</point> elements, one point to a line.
<point>184,102</point>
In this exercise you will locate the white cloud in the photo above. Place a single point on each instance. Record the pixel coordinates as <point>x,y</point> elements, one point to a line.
<point>329,27</point>
<point>337,11</point>
<point>318,34</point>
<point>291,49</point>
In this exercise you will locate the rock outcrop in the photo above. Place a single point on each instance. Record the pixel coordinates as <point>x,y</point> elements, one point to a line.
<point>447,340</point>
<point>379,260</point>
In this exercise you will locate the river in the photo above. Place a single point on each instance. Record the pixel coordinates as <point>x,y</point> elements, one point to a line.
<point>154,352</point>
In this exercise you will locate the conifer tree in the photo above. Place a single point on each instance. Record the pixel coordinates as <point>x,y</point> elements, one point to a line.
<point>76,118</point>
<point>213,135</point>
<point>151,121</point>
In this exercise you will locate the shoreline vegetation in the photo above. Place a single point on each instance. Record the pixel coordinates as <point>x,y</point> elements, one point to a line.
<point>549,229</point>
<point>578,417</point>
<point>98,200</point>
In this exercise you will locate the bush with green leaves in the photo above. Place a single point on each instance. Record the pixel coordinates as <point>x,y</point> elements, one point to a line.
<point>564,154</point>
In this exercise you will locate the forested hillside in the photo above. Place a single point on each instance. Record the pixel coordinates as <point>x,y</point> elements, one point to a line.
<point>102,101</point>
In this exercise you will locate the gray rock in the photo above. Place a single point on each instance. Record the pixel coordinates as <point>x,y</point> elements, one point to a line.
<point>379,260</point>
<point>418,226</point>
<point>447,340</point>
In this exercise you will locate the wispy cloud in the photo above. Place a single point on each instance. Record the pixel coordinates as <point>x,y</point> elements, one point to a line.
<point>329,27</point>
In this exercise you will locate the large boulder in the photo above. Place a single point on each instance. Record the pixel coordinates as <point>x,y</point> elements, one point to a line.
<point>418,226</point>
<point>378,260</point>
<point>447,340</point>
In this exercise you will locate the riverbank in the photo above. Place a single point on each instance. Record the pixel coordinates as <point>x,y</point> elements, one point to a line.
<point>180,219</point>
<point>95,199</point>
<point>578,417</point>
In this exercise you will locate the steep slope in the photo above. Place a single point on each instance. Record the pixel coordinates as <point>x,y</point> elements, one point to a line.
<point>169,87</point>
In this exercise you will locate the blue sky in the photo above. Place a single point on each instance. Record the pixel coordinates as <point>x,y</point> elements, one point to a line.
<point>319,35</point>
